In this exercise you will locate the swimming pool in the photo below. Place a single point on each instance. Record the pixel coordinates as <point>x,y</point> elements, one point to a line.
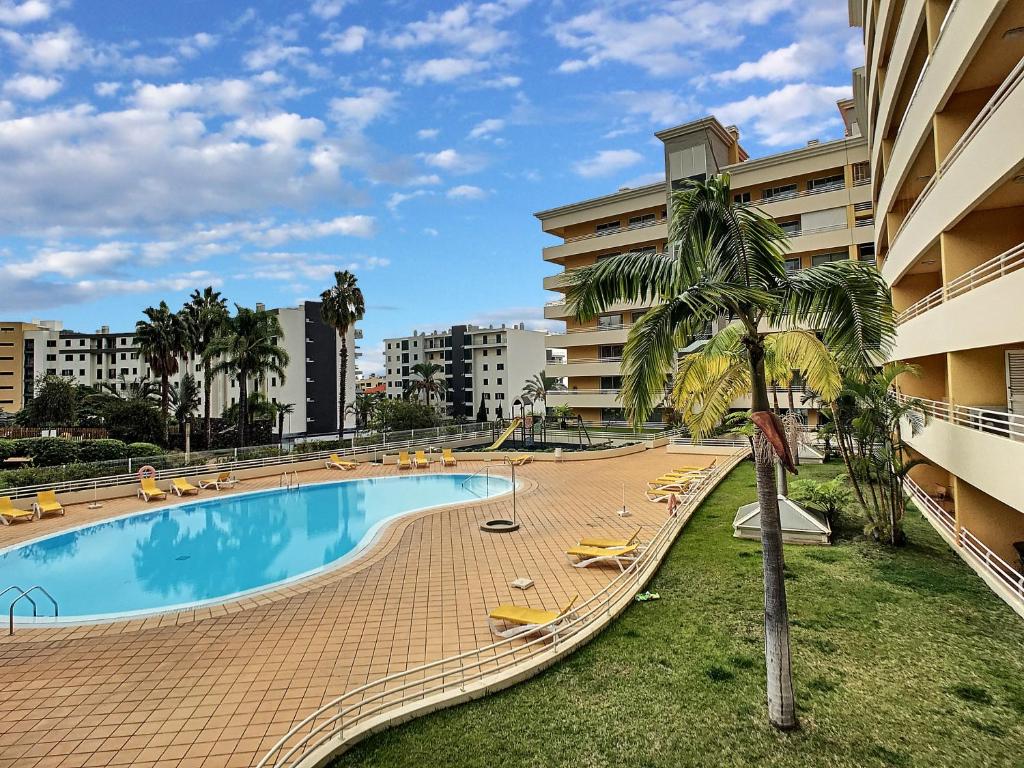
<point>219,548</point>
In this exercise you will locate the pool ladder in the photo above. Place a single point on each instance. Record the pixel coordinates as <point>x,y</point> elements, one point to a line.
<point>25,594</point>
<point>289,480</point>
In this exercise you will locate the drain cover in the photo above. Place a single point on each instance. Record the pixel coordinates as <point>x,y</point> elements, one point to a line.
<point>182,557</point>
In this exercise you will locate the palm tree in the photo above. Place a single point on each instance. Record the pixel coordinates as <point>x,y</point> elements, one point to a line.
<point>162,339</point>
<point>428,378</point>
<point>538,386</point>
<point>205,314</point>
<point>283,409</point>
<point>185,400</point>
<point>727,260</point>
<point>362,409</point>
<point>246,348</point>
<point>341,307</point>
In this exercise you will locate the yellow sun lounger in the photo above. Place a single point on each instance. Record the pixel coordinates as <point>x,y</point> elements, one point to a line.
<point>336,462</point>
<point>447,458</point>
<point>403,460</point>
<point>519,620</point>
<point>181,486</point>
<point>9,513</point>
<point>46,504</point>
<point>223,480</point>
<point>518,461</point>
<point>587,556</point>
<point>148,490</point>
<point>612,543</point>
<point>422,460</point>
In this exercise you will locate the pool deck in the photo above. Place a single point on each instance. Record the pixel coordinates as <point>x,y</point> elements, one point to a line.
<point>217,686</point>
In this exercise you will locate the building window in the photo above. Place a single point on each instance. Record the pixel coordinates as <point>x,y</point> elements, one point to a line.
<point>611,382</point>
<point>790,228</point>
<point>500,366</point>
<point>498,352</point>
<point>485,382</point>
<point>67,372</point>
<point>51,358</point>
<point>826,183</point>
<point>779,193</point>
<point>866,253</point>
<point>639,221</point>
<point>608,226</point>
<point>793,265</point>
<point>825,258</point>
<point>499,382</point>
<point>609,321</point>
<point>741,198</point>
<point>499,395</point>
<point>81,372</point>
<point>51,342</point>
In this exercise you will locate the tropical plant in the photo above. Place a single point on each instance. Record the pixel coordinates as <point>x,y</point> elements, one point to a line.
<point>562,412</point>
<point>185,400</point>
<point>362,408</point>
<point>398,415</point>
<point>481,412</point>
<point>341,307</point>
<point>726,259</point>
<point>55,402</point>
<point>162,339</point>
<point>429,379</point>
<point>123,388</point>
<point>829,497</point>
<point>283,409</point>
<point>133,421</point>
<point>247,348</point>
<point>868,420</point>
<point>205,314</point>
<point>538,386</point>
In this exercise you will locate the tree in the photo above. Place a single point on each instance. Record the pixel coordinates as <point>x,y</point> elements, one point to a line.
<point>341,307</point>
<point>427,378</point>
<point>726,259</point>
<point>481,414</point>
<point>868,419</point>
<point>162,339</point>
<point>283,409</point>
<point>829,497</point>
<point>362,408</point>
<point>185,401</point>
<point>205,314</point>
<point>246,348</point>
<point>538,386</point>
<point>398,415</point>
<point>133,421</point>
<point>54,402</point>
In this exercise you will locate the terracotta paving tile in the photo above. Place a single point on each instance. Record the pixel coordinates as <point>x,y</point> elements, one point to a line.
<point>215,687</point>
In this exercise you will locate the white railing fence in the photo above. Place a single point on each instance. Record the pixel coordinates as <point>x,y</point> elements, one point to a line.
<point>966,542</point>
<point>995,422</point>
<point>614,231</point>
<point>983,274</point>
<point>429,686</point>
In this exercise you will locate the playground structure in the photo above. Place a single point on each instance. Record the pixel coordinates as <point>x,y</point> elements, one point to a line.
<point>530,432</point>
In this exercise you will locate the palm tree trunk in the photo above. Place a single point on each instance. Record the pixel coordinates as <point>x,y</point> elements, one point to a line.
<point>207,421</point>
<point>165,395</point>
<point>778,664</point>
<point>844,451</point>
<point>794,443</point>
<point>243,407</point>
<point>342,373</point>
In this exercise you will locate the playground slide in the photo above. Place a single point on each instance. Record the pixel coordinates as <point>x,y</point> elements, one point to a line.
<point>505,435</point>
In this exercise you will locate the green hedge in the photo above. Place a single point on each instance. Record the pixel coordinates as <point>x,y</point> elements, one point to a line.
<point>143,450</point>
<point>102,450</point>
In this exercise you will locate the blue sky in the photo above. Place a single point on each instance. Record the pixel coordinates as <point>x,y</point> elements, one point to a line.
<point>147,148</point>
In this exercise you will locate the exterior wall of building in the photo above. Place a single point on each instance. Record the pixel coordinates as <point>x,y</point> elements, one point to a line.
<point>820,194</point>
<point>940,97</point>
<point>17,364</point>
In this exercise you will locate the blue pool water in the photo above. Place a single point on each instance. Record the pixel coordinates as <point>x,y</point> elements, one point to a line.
<point>219,547</point>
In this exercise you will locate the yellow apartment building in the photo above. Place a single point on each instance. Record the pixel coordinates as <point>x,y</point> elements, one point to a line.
<point>820,194</point>
<point>17,361</point>
<point>941,102</point>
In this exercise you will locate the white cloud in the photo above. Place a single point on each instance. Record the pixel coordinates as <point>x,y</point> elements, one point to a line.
<point>284,129</point>
<point>442,70</point>
<point>192,46</point>
<point>397,198</point>
<point>664,38</point>
<point>361,110</point>
<point>791,114</point>
<point>466,192</point>
<point>327,9</point>
<point>49,51</point>
<point>225,96</point>
<point>486,128</point>
<point>32,87</point>
<point>503,81</point>
<point>430,232</point>
<point>797,60</point>
<point>14,14</point>
<point>471,30</point>
<point>106,88</point>
<point>607,162</point>
<point>273,53</point>
<point>452,160</point>
<point>347,41</point>
<point>427,133</point>
<point>350,226</point>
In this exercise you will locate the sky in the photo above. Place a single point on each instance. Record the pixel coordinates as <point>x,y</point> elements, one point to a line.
<point>149,148</point>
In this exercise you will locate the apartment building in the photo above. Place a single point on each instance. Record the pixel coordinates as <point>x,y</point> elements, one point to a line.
<point>372,385</point>
<point>28,350</point>
<point>487,366</point>
<point>820,195</point>
<point>941,102</point>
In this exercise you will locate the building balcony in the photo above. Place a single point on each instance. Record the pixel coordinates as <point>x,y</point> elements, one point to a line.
<point>964,178</point>
<point>584,398</point>
<point>621,238</point>
<point>559,309</point>
<point>981,308</point>
<point>983,446</point>
<point>596,366</point>
<point>587,337</point>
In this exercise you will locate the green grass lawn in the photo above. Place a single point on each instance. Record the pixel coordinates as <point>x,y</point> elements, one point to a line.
<point>901,658</point>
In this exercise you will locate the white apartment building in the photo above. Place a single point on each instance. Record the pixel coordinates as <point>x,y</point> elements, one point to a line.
<point>481,365</point>
<point>112,357</point>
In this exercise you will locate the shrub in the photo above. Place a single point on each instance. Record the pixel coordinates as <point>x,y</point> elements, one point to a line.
<point>102,450</point>
<point>829,498</point>
<point>8,448</point>
<point>52,451</point>
<point>133,421</point>
<point>143,450</point>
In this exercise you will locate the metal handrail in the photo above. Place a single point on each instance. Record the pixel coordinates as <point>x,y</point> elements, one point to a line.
<point>487,482</point>
<point>25,596</point>
<point>454,673</point>
<point>617,230</point>
<point>1000,423</point>
<point>984,273</point>
<point>21,592</point>
<point>834,187</point>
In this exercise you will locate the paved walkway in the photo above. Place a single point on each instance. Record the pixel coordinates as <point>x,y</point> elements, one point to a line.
<point>218,686</point>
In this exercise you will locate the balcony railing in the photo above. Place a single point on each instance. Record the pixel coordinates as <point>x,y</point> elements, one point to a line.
<point>983,274</point>
<point>614,231</point>
<point>1012,80</point>
<point>974,550</point>
<point>814,230</point>
<point>576,360</point>
<point>994,422</point>
<point>593,328</point>
<point>798,194</point>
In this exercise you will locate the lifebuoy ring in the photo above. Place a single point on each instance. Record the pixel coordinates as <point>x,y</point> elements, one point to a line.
<point>146,471</point>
